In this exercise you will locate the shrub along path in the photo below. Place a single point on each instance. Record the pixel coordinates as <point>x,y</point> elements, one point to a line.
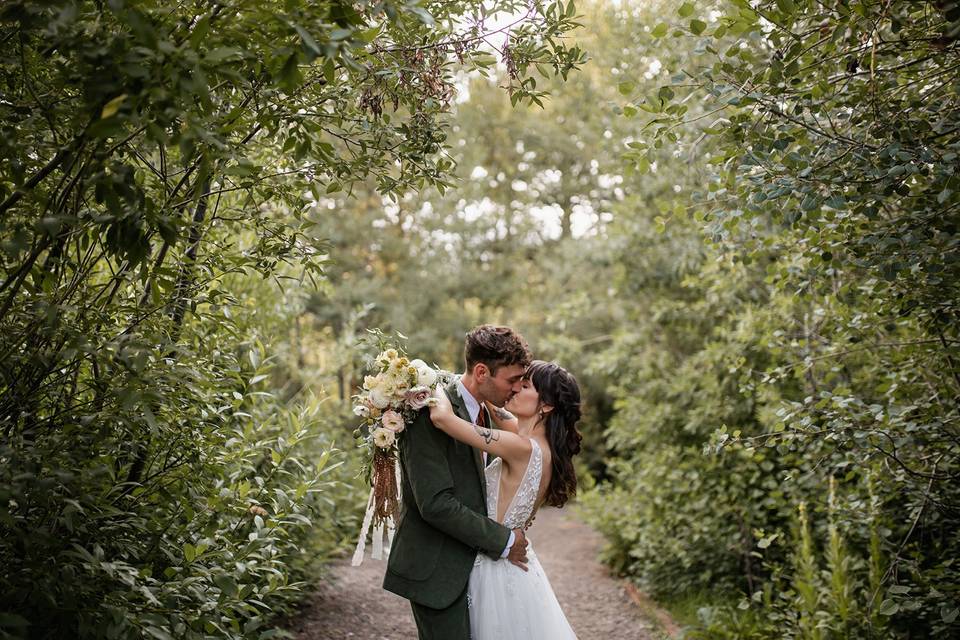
<point>353,606</point>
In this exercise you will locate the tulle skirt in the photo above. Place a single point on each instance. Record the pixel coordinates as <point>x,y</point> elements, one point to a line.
<point>508,603</point>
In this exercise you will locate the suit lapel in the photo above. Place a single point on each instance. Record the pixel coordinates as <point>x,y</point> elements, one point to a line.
<point>460,408</point>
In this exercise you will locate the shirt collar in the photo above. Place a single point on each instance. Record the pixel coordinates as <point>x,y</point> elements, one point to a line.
<point>473,407</point>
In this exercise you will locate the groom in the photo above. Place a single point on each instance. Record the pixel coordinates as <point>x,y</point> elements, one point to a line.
<point>444,522</point>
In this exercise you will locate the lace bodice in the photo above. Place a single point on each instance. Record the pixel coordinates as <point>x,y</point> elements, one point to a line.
<point>525,501</point>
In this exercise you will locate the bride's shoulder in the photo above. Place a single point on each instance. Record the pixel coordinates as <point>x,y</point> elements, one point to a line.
<point>544,445</point>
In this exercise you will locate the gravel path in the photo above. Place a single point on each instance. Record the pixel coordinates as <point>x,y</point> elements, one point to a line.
<point>352,605</point>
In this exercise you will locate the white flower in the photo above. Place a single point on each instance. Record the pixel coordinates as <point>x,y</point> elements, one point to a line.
<point>393,421</point>
<point>379,398</point>
<point>426,376</point>
<point>387,357</point>
<point>383,438</point>
<point>361,411</point>
<point>397,385</point>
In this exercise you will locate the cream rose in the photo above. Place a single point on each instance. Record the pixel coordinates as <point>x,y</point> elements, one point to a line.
<point>383,438</point>
<point>387,357</point>
<point>426,376</point>
<point>393,421</point>
<point>379,398</point>
<point>397,385</point>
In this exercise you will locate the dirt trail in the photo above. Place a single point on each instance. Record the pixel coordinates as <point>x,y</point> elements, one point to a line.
<point>354,606</point>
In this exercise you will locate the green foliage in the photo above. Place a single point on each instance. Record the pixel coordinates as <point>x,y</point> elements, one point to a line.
<point>810,342</point>
<point>167,470</point>
<point>819,333</point>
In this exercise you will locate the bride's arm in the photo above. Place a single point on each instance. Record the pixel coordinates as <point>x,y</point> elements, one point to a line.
<point>505,420</point>
<point>509,446</point>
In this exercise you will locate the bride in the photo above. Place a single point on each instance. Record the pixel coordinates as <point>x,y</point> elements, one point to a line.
<point>533,465</point>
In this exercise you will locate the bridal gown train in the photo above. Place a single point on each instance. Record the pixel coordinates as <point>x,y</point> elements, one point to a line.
<point>506,602</point>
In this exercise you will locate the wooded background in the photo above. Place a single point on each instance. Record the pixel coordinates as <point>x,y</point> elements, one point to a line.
<point>736,222</point>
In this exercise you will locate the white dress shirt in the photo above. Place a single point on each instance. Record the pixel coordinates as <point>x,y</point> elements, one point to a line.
<point>473,408</point>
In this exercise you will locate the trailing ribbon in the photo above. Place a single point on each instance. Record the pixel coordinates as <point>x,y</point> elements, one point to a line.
<point>362,541</point>
<point>384,527</point>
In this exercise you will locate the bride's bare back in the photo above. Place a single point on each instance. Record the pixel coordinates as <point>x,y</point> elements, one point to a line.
<point>512,475</point>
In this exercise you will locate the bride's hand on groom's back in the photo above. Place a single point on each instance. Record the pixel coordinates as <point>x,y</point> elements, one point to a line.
<point>518,552</point>
<point>440,408</point>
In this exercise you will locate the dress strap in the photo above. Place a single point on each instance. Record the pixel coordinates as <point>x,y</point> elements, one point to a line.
<point>524,500</point>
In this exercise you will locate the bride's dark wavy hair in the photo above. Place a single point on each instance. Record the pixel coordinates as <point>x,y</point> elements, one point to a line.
<point>558,388</point>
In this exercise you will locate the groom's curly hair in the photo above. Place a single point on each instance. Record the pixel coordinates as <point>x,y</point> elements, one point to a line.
<point>495,346</point>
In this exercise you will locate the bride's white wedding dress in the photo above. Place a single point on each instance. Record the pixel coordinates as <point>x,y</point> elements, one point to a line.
<point>506,602</point>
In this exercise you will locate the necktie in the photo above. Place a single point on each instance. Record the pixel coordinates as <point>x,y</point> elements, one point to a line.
<point>482,423</point>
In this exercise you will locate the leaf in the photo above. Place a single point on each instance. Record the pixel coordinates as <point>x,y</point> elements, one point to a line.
<point>810,202</point>
<point>158,633</point>
<point>324,458</point>
<point>660,30</point>
<point>423,14</point>
<point>786,6</point>
<point>369,35</point>
<point>698,26</point>
<point>889,607</point>
<point>765,543</point>
<point>626,88</point>
<point>221,54</point>
<point>112,107</point>
<point>328,71</point>
<point>12,620</point>
<point>226,583</point>
<point>241,170</point>
<point>313,49</point>
<point>685,10</point>
<point>948,614</point>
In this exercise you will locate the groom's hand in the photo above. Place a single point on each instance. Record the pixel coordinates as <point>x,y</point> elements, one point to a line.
<point>518,552</point>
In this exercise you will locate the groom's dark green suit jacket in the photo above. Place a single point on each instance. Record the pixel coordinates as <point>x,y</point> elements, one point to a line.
<point>444,519</point>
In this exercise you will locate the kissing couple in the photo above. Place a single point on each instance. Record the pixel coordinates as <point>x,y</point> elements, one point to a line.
<point>475,468</point>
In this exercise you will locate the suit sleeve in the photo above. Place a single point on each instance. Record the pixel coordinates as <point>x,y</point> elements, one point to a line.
<point>423,453</point>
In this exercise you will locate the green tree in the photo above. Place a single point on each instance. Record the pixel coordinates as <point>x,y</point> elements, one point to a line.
<point>828,134</point>
<point>159,469</point>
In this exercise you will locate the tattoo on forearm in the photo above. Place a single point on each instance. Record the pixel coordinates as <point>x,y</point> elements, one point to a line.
<point>488,435</point>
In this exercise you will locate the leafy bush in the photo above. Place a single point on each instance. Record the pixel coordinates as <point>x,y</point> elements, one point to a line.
<point>816,344</point>
<point>200,544</point>
<point>164,469</point>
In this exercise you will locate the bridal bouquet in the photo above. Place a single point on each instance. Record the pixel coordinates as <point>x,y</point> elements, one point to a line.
<point>390,399</point>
